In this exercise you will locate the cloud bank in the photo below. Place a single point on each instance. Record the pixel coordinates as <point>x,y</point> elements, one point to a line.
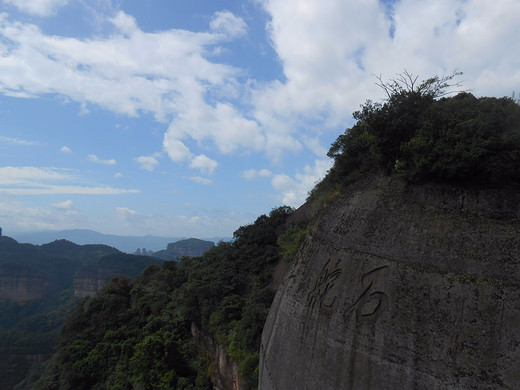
<point>329,53</point>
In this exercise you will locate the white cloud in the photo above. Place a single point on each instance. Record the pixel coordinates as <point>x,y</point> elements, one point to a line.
<point>329,52</point>
<point>204,164</point>
<point>26,175</point>
<point>96,160</point>
<point>66,150</point>
<point>17,216</point>
<point>227,23</point>
<point>295,190</point>
<point>147,163</point>
<point>16,141</point>
<point>127,72</point>
<point>125,23</point>
<point>252,174</point>
<point>125,211</point>
<point>128,216</point>
<point>222,124</point>
<point>41,181</point>
<point>41,189</point>
<point>177,151</point>
<point>65,205</point>
<point>200,180</point>
<point>38,7</point>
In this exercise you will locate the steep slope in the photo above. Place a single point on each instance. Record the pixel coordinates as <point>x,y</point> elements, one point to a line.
<point>36,295</point>
<point>399,287</point>
<point>189,324</point>
<point>409,276</point>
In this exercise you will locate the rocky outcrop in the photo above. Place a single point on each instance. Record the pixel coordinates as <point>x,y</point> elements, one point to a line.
<point>21,285</point>
<point>223,370</point>
<point>189,247</point>
<point>87,282</point>
<point>401,286</point>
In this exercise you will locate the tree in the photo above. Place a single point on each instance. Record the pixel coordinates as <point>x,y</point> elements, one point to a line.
<point>422,133</point>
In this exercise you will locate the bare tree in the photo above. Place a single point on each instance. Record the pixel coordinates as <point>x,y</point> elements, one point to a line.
<point>434,86</point>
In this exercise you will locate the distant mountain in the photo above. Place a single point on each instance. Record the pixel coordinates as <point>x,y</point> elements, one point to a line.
<point>189,247</point>
<point>128,244</point>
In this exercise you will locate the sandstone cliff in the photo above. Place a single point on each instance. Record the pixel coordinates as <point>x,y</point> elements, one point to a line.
<point>21,285</point>
<point>223,373</point>
<point>87,282</point>
<point>400,286</point>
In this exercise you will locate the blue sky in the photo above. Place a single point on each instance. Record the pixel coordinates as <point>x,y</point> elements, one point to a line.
<point>191,118</point>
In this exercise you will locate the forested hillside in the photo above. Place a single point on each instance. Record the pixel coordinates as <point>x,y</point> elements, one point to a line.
<point>139,334</point>
<point>36,295</point>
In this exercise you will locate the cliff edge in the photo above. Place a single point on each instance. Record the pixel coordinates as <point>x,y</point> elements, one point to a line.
<point>401,286</point>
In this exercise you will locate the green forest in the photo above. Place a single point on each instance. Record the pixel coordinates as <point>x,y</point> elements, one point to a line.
<point>138,334</point>
<point>31,326</point>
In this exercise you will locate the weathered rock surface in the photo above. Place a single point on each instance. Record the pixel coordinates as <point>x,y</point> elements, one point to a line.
<point>401,287</point>
<point>224,373</point>
<point>87,282</point>
<point>20,285</point>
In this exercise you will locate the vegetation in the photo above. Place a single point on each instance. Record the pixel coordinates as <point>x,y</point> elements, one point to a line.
<point>139,334</point>
<point>188,247</point>
<point>291,240</point>
<point>43,276</point>
<point>423,135</point>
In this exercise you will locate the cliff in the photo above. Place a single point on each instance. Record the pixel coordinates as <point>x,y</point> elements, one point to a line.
<point>20,285</point>
<point>88,280</point>
<point>223,371</point>
<point>401,286</point>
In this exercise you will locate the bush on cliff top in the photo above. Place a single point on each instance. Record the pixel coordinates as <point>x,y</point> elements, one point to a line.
<point>423,135</point>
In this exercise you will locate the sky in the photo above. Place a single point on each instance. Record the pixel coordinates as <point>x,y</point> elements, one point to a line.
<point>191,118</point>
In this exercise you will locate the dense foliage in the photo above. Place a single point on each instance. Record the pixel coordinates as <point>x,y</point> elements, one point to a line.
<point>139,334</point>
<point>29,328</point>
<point>462,139</point>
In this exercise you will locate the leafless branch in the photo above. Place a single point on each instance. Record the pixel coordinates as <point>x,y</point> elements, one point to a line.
<point>406,82</point>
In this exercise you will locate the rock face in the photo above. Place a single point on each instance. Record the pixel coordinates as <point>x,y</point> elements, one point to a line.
<point>223,370</point>
<point>87,282</point>
<point>399,286</point>
<point>21,285</point>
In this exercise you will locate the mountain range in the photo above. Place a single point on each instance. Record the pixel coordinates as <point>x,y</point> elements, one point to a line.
<point>128,244</point>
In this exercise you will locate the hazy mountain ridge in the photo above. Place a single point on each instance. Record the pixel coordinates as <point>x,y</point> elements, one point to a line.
<point>128,244</point>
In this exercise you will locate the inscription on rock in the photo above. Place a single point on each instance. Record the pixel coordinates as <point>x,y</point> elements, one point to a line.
<point>323,286</point>
<point>368,304</point>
